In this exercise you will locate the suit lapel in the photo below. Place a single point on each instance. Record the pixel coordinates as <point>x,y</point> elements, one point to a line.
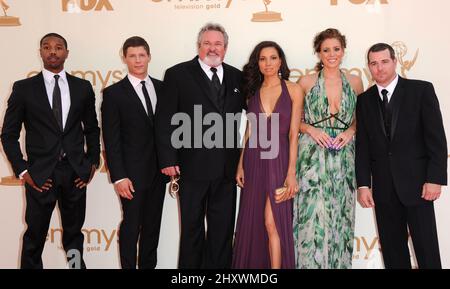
<point>131,93</point>
<point>158,90</point>
<point>227,85</point>
<point>396,102</point>
<point>157,86</point>
<point>74,92</point>
<point>200,77</point>
<point>41,92</point>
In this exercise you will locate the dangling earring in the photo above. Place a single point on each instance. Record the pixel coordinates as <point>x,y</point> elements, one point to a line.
<point>279,73</point>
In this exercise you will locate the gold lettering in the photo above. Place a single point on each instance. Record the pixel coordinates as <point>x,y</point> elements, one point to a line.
<point>104,4</point>
<point>108,240</point>
<point>117,76</point>
<point>87,6</point>
<point>88,233</point>
<point>53,232</point>
<point>369,248</point>
<point>358,244</point>
<point>65,4</point>
<point>296,73</point>
<point>381,1</point>
<point>104,82</point>
<point>83,75</point>
<point>359,2</point>
<point>95,77</point>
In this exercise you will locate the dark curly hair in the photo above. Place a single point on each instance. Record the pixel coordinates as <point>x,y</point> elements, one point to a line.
<point>324,35</point>
<point>253,78</point>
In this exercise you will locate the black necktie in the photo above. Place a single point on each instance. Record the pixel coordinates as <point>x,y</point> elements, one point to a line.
<point>386,112</point>
<point>56,103</point>
<point>384,93</point>
<point>147,100</point>
<point>215,79</point>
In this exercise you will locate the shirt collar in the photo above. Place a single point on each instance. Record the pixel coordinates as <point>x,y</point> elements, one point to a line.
<point>390,88</point>
<point>136,81</point>
<point>50,76</point>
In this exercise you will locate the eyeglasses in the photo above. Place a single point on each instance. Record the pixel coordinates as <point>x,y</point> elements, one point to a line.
<point>174,187</point>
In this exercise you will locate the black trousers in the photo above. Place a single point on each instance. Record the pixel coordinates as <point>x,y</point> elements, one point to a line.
<point>39,208</point>
<point>141,224</point>
<point>215,200</point>
<point>393,221</point>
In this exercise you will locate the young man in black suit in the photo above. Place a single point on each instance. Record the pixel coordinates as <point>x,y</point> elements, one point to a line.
<point>401,153</point>
<point>194,88</point>
<point>129,136</point>
<point>58,111</point>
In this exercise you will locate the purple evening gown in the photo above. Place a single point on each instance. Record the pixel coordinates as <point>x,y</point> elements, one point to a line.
<point>262,177</point>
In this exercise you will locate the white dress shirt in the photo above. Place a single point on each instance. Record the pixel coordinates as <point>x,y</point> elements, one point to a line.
<point>49,80</point>
<point>390,88</point>
<point>207,69</point>
<point>136,83</point>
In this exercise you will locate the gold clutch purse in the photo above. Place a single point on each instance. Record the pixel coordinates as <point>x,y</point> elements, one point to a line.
<point>280,191</point>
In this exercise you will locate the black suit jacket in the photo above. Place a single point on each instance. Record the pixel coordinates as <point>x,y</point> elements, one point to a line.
<point>129,134</point>
<point>416,152</point>
<point>29,105</point>
<point>186,85</point>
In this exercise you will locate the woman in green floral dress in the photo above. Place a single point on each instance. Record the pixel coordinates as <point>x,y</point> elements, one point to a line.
<point>324,207</point>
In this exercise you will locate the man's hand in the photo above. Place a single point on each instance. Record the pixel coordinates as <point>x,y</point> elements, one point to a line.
<point>27,178</point>
<point>365,198</point>
<point>431,192</point>
<point>171,171</point>
<point>125,188</point>
<point>80,184</point>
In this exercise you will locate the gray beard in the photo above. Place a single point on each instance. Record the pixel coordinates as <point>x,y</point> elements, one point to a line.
<point>212,61</point>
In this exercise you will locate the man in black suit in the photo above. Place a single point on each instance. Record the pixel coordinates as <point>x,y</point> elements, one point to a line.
<point>203,85</point>
<point>58,111</point>
<point>129,137</point>
<point>401,153</point>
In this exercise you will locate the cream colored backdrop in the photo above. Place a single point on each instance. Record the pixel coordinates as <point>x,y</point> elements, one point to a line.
<point>95,30</point>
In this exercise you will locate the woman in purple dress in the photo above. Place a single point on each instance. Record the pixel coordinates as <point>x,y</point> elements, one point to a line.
<point>264,237</point>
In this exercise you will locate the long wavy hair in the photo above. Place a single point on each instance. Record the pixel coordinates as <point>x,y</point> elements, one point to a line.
<point>253,78</point>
